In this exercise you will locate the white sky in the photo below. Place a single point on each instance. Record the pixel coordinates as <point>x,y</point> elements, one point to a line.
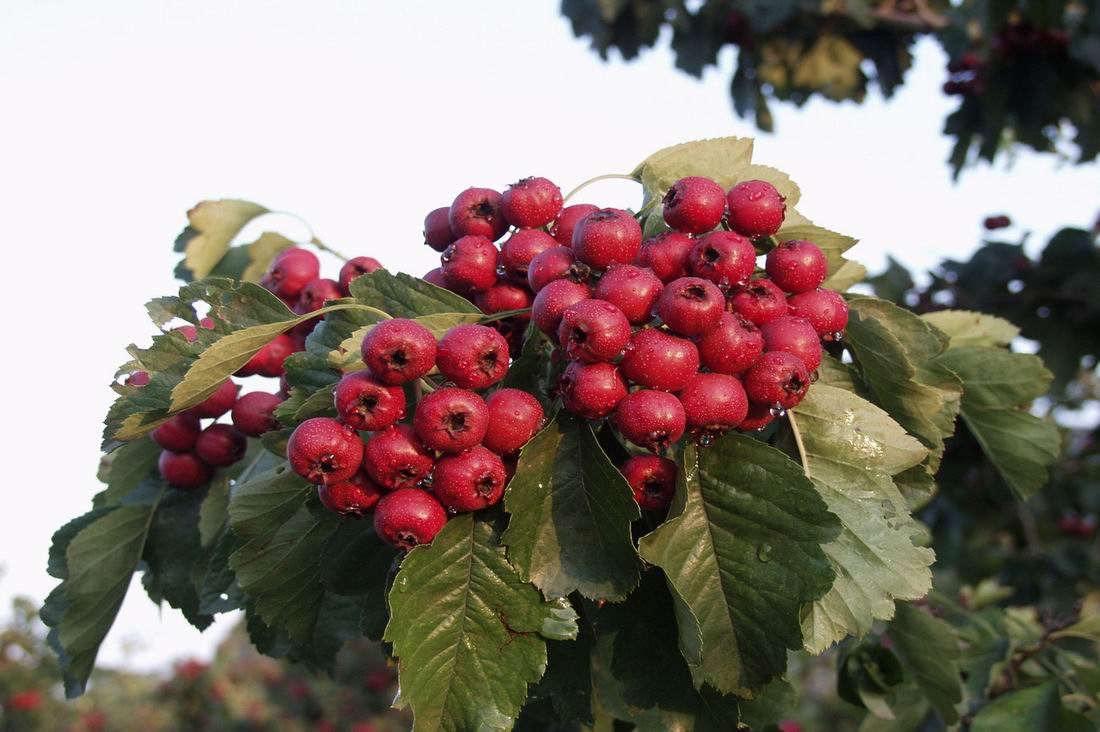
<point>119,115</point>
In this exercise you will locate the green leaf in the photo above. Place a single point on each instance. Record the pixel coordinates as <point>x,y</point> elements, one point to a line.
<point>403,296</point>
<point>1027,710</point>
<point>571,514</point>
<point>742,551</point>
<point>214,512</point>
<point>130,464</point>
<point>356,560</point>
<point>262,252</point>
<point>468,632</point>
<point>847,274</point>
<point>929,648</point>
<point>212,225</point>
<point>172,550</point>
<point>832,244</point>
<point>852,450</point>
<point>968,328</point>
<point>723,159</point>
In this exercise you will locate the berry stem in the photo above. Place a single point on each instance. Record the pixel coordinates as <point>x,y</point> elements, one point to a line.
<point>798,441</point>
<point>590,181</point>
<point>312,236</point>
<point>649,206</point>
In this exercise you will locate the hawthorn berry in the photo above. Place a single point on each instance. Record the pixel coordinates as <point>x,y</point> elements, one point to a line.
<point>190,332</point>
<point>652,479</point>
<point>356,267</point>
<point>553,264</point>
<point>178,433</point>
<point>218,403</point>
<point>724,258</point>
<point>354,497</point>
<point>254,413</point>
<point>607,236</point>
<point>826,310</point>
<point>591,390</point>
<point>396,458</point>
<point>778,378</point>
<point>667,255</point>
<point>451,420</point>
<point>551,302</point>
<point>522,247</point>
<point>184,469</point>
<point>651,419</point>
<point>469,265</point>
<point>316,293</point>
<point>470,481</point>
<point>290,271</point>
<point>593,330</point>
<point>691,306</point>
<point>633,290</point>
<point>399,350</point>
<point>755,208</point>
<point>503,296</point>
<point>514,418</point>
<point>138,378</point>
<point>476,212</point>
<point>796,266</point>
<point>323,450</point>
<point>437,229</point>
<point>268,361</point>
<point>366,403</point>
<point>758,417</point>
<point>566,222</point>
<point>472,356</point>
<point>435,277</point>
<point>714,403</point>
<point>221,445</point>
<point>408,517</point>
<point>731,347</point>
<point>660,360</point>
<point>760,301</point>
<point>531,202</point>
<point>795,336</point>
<point>694,205</point>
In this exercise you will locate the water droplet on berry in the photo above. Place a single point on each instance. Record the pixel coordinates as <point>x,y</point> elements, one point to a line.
<point>452,511</point>
<point>764,552</point>
<point>446,256</point>
<point>838,336</point>
<point>814,376</point>
<point>501,271</point>
<point>777,410</point>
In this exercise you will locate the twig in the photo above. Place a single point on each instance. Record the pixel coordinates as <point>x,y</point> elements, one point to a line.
<point>606,176</point>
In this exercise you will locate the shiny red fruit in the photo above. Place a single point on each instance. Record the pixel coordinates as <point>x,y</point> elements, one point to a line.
<point>797,266</point>
<point>732,347</point>
<point>437,229</point>
<point>724,258</point>
<point>714,403</point>
<point>184,469</point>
<point>652,479</point>
<point>290,271</point>
<point>694,205</point>
<point>651,419</point>
<point>514,418</point>
<point>396,458</point>
<point>323,450</point>
<point>179,433</point>
<point>660,360</point>
<point>760,301</point>
<point>755,208</point>
<point>795,336</point>
<point>633,290</point>
<point>553,264</point>
<point>353,498</point>
<point>366,403</point>
<point>254,413</point>
<point>777,379</point>
<point>567,220</point>
<point>691,306</point>
<point>593,330</point>
<point>399,350</point>
<point>826,310</point>
<point>356,267</point>
<point>591,390</point>
<point>472,356</point>
<point>476,212</point>
<point>218,403</point>
<point>221,445</point>
<point>451,420</point>
<point>316,293</point>
<point>758,417</point>
<point>470,481</point>
<point>531,202</point>
<point>408,517</point>
<point>520,248</point>
<point>469,265</point>
<point>667,255</point>
<point>502,297</point>
<point>551,302</point>
<point>607,236</point>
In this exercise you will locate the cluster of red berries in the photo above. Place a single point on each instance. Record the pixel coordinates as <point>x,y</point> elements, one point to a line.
<point>966,73</point>
<point>457,454</point>
<point>1072,524</point>
<point>192,452</point>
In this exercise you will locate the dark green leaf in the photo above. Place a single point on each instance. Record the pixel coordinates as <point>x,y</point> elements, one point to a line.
<point>929,648</point>
<point>1030,710</point>
<point>403,296</point>
<point>172,550</point>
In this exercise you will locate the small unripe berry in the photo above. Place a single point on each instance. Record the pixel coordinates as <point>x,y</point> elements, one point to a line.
<point>553,264</point>
<point>179,433</point>
<point>667,255</point>
<point>826,310</point>
<point>218,403</point>
<point>523,246</point>
<point>714,403</point>
<point>221,445</point>
<point>408,517</point>
<point>316,293</point>
<point>399,350</point>
<point>472,356</point>
<point>607,236</point>
<point>514,418</point>
<point>476,212</point>
<point>633,290</point>
<point>470,265</point>
<point>694,205</point>
<point>778,378</point>
<point>396,458</point>
<point>797,266</point>
<point>451,420</point>
<point>470,481</point>
<point>760,301</point>
<point>652,479</point>
<point>551,302</point>
<point>795,336</point>
<point>354,497</point>
<point>502,297</point>
<point>724,258</point>
<point>732,347</point>
<point>184,469</point>
<point>356,267</point>
<point>660,360</point>
<point>531,202</point>
<point>254,413</point>
<point>691,306</point>
<point>290,271</point>
<point>366,403</point>
<point>437,229</point>
<point>593,330</point>
<point>323,450</point>
<point>567,221</point>
<point>755,208</point>
<point>591,390</point>
<point>651,419</point>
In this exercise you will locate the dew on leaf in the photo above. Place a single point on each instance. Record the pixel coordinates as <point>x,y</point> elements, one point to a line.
<point>764,552</point>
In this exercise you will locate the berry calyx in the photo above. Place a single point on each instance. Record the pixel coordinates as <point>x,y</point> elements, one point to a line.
<point>691,306</point>
<point>760,301</point>
<point>365,403</point>
<point>451,420</point>
<point>354,498</point>
<point>408,517</point>
<point>591,390</point>
<point>218,403</point>
<point>724,258</point>
<point>651,419</point>
<point>470,481</point>
<point>399,350</point>
<point>694,205</point>
<point>607,236</point>
<point>323,450</point>
<point>755,208</point>
<point>472,356</point>
<point>777,379</point>
<point>178,433</point>
<point>356,267</point>
<point>566,222</point>
<point>593,330</point>
<point>531,202</point>
<point>254,413</point>
<point>652,479</point>
<point>290,271</point>
<point>469,265</point>
<point>714,403</point>
<point>796,266</point>
<point>633,290</point>
<point>795,336</point>
<point>667,255</point>
<point>221,445</point>
<point>396,458</point>
<point>514,418</point>
<point>437,229</point>
<point>826,310</point>
<point>660,360</point>
<point>184,469</point>
<point>476,212</point>
<point>733,346</point>
<point>552,301</point>
<point>522,247</point>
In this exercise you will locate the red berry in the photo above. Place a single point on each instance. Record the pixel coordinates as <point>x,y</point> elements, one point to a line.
<point>437,229</point>
<point>396,458</point>
<point>591,390</point>
<point>733,346</point>
<point>714,403</point>
<point>184,469</point>
<point>778,378</point>
<point>470,265</point>
<point>366,403</point>
<point>323,450</point>
<point>218,403</point>
<point>470,481</point>
<point>724,258</point>
<point>178,434</point>
<point>755,208</point>
<point>451,420</point>
<point>758,417</point>
<point>795,336</point>
<point>691,306</point>
<point>796,266</point>
<point>660,360</point>
<point>759,302</point>
<point>694,205</point>
<point>254,413</point>
<point>997,222</point>
<point>24,701</point>
<point>476,212</point>
<point>290,271</point>
<point>138,378</point>
<point>472,356</point>
<point>826,310</point>
<point>408,517</point>
<point>651,419</point>
<point>268,361</point>
<point>607,236</point>
<point>502,297</point>
<point>399,350</point>
<point>553,264</point>
<point>189,332</point>
<point>667,255</point>
<point>316,293</point>
<point>633,290</point>
<point>514,418</point>
<point>523,246</point>
<point>551,302</point>
<point>1068,524</point>
<point>567,221</point>
<point>354,497</point>
<point>435,277</point>
<point>531,202</point>
<point>221,445</point>
<point>356,267</point>
<point>653,480</point>
<point>593,330</point>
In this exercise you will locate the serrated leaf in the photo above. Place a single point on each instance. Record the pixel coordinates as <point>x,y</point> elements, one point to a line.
<point>782,182</point>
<point>403,296</point>
<point>830,242</point>
<point>262,252</point>
<point>742,549</point>
<point>212,225</point>
<point>171,551</point>
<point>214,512</point>
<point>847,274</point>
<point>722,159</point>
<point>852,450</point>
<point>356,560</point>
<point>929,648</point>
<point>468,632</point>
<point>571,514</point>
<point>968,328</point>
<point>130,464</point>
<point>1027,710</point>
